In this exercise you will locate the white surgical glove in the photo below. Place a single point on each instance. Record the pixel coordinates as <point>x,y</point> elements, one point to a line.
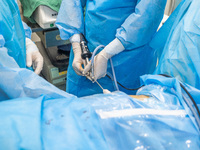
<point>77,61</point>
<point>101,59</point>
<point>33,56</point>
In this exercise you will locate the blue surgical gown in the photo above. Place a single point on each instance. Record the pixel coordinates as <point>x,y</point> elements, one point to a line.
<point>13,32</point>
<point>133,22</point>
<point>181,53</point>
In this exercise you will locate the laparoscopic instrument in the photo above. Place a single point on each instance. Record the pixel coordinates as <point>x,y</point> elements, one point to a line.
<point>86,55</point>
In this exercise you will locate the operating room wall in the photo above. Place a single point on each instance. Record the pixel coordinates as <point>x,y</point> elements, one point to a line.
<point>170,6</point>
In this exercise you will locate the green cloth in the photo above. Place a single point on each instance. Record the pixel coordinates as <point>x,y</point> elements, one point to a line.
<point>29,6</point>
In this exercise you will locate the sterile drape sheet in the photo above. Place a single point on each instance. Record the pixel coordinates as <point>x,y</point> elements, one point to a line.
<point>36,115</point>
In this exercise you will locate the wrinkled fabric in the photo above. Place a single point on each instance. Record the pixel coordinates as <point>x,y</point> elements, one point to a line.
<point>72,123</point>
<point>37,115</point>
<point>132,22</point>
<point>13,32</point>
<point>2,41</point>
<point>27,29</point>
<point>16,82</point>
<point>29,6</point>
<point>167,87</point>
<point>181,54</point>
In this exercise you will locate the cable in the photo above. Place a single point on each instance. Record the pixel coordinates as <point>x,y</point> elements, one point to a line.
<point>114,76</point>
<point>113,71</point>
<point>123,85</point>
<point>165,75</point>
<point>93,54</point>
<point>190,96</point>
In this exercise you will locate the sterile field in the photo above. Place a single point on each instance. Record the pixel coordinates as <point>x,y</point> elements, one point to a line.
<point>99,75</point>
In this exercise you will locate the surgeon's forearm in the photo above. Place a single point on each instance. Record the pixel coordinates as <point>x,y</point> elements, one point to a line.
<point>140,26</point>
<point>70,18</point>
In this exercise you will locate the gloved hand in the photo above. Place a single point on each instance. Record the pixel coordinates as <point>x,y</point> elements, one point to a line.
<point>33,56</point>
<point>101,59</point>
<point>78,61</point>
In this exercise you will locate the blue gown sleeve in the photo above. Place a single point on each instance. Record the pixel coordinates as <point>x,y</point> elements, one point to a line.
<point>70,18</point>
<point>9,61</point>
<point>2,41</point>
<point>140,26</point>
<point>27,29</point>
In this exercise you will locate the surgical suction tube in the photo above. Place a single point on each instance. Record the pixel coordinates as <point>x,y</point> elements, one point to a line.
<point>112,67</point>
<point>114,76</point>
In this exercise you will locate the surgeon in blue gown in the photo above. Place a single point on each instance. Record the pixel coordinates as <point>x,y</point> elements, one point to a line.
<point>125,27</point>
<point>15,37</point>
